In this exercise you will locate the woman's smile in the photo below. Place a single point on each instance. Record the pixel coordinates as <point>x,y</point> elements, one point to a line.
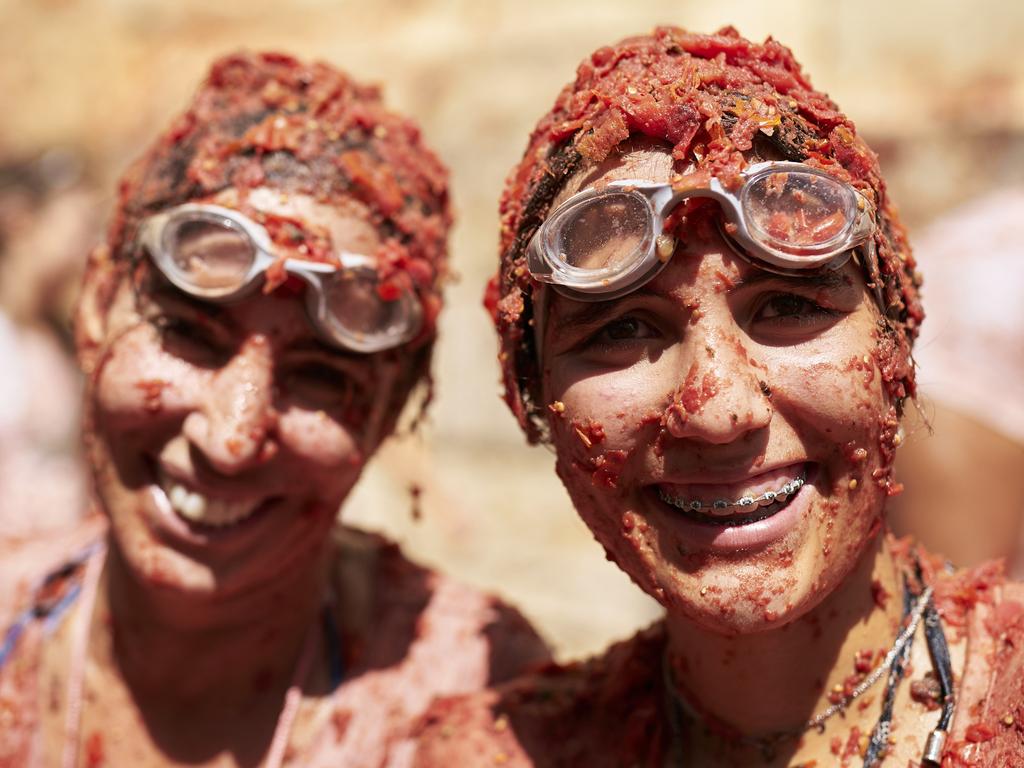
<point>735,503</point>
<point>207,499</point>
<point>752,521</point>
<point>201,509</point>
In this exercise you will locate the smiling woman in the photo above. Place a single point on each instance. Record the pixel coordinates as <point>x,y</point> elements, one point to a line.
<point>264,306</point>
<point>706,305</point>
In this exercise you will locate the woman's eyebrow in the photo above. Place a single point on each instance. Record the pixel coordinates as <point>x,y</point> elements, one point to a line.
<point>164,291</point>
<point>830,280</point>
<point>317,346</point>
<point>586,314</point>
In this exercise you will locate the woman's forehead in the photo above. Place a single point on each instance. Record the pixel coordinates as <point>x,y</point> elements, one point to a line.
<point>640,159</point>
<point>346,221</point>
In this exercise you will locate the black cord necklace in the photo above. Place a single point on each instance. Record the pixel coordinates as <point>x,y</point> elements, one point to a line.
<point>914,607</point>
<point>938,649</point>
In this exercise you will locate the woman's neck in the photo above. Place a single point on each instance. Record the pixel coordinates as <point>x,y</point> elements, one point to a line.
<point>183,647</point>
<point>775,681</point>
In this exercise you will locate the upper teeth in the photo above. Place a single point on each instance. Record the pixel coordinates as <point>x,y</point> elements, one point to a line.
<point>725,507</point>
<point>194,506</point>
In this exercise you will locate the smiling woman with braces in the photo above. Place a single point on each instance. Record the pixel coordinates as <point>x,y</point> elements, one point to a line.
<point>706,305</point>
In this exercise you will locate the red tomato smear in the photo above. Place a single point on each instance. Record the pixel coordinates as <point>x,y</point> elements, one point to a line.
<point>888,440</point>
<point>855,746</point>
<point>416,494</point>
<point>152,393</point>
<point>854,454</point>
<point>879,594</point>
<point>628,522</point>
<point>590,433</point>
<point>1006,622</point>
<point>927,691</point>
<point>693,395</point>
<point>979,732</point>
<point>340,719</point>
<point>865,703</point>
<point>723,282</point>
<point>713,98</point>
<point>957,595</point>
<point>607,468</point>
<point>94,750</point>
<point>863,662</point>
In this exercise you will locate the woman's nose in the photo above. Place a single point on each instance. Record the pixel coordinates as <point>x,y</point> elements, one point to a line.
<point>721,397</point>
<point>233,425</point>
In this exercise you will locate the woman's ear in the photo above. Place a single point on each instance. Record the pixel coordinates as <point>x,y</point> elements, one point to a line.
<point>98,286</point>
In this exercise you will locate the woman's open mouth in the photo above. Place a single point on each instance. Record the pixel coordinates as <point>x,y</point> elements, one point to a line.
<point>729,505</point>
<point>197,508</point>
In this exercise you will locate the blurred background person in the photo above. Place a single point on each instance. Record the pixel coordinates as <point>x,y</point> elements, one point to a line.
<point>963,461</point>
<point>49,217</point>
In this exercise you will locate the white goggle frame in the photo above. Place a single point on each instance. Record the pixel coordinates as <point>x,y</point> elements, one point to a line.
<point>157,234</point>
<point>657,200</point>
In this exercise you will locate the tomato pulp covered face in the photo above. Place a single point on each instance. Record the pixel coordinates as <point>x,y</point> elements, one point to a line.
<point>721,103</point>
<point>224,433</point>
<point>727,431</point>
<point>723,430</point>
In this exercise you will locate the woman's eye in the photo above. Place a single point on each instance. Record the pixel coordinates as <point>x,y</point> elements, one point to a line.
<point>319,385</point>
<point>790,309</point>
<point>628,328</point>
<point>191,340</point>
<point>620,342</point>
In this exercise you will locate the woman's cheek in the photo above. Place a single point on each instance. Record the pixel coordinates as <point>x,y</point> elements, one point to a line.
<point>602,427</point>
<point>320,438</point>
<point>598,422</point>
<point>136,380</point>
<point>840,406</point>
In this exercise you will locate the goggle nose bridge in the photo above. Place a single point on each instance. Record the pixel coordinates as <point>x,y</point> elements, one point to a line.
<point>663,200</point>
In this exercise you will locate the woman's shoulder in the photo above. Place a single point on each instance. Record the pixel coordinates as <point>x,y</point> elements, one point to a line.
<point>602,712</point>
<point>407,634</point>
<point>980,605</point>
<point>39,580</point>
<point>406,605</point>
<point>25,563</point>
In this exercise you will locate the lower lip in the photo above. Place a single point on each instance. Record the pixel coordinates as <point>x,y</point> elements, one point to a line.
<point>726,539</point>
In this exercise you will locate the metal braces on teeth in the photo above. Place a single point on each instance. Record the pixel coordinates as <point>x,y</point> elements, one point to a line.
<point>724,508</point>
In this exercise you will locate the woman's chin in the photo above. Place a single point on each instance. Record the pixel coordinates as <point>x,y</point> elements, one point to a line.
<point>726,612</point>
<point>735,599</point>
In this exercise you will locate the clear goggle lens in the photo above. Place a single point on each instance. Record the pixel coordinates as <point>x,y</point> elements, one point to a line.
<point>784,217</point>
<point>209,254</point>
<point>355,308</point>
<point>793,211</point>
<point>604,233</point>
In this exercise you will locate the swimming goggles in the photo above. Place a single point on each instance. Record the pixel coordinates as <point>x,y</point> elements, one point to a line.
<point>219,255</point>
<point>782,216</point>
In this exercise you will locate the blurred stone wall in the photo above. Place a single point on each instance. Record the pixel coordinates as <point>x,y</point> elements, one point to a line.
<point>937,88</point>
